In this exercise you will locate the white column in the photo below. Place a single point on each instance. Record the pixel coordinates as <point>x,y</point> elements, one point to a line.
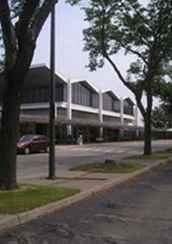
<point>136,115</point>
<point>122,117</point>
<point>122,111</point>
<point>56,108</point>
<point>101,112</point>
<point>69,106</point>
<point>136,120</point>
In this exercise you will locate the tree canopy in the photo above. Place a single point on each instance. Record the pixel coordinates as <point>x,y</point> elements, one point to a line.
<point>145,32</point>
<point>162,117</point>
<point>21,20</point>
<point>141,30</point>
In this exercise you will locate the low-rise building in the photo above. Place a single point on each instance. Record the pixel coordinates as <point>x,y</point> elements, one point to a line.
<point>80,108</point>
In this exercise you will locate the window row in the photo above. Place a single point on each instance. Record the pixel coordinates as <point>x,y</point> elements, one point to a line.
<point>110,104</point>
<point>41,94</point>
<point>83,96</point>
<point>80,95</point>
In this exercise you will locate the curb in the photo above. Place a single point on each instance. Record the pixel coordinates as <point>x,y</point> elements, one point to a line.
<point>15,220</point>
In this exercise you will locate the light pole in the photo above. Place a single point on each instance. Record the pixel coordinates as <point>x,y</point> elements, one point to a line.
<point>52,167</point>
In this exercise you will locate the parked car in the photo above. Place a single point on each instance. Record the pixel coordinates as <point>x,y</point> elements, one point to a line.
<point>32,143</point>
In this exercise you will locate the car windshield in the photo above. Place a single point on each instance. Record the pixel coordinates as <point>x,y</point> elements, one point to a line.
<point>26,138</point>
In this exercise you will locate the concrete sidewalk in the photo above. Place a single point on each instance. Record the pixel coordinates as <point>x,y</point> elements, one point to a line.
<point>88,183</point>
<point>77,179</point>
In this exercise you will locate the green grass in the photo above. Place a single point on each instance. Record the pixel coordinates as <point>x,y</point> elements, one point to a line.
<point>128,164</point>
<point>29,197</point>
<point>155,156</point>
<point>169,150</point>
<point>109,168</point>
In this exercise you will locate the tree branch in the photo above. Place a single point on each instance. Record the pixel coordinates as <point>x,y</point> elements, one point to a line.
<point>117,71</point>
<point>8,34</point>
<point>26,16</point>
<point>127,84</point>
<point>105,54</point>
<point>41,17</point>
<point>140,105</point>
<point>136,53</point>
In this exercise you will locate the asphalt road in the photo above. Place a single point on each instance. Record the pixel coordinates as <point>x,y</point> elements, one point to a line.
<point>35,165</point>
<point>136,212</point>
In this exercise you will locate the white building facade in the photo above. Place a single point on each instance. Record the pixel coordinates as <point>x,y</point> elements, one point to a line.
<point>80,108</point>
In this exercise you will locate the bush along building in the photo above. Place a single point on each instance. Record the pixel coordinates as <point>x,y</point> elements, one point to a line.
<point>80,109</point>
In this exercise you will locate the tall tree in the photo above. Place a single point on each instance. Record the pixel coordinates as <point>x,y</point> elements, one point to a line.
<point>164,92</point>
<point>162,117</point>
<point>21,22</point>
<point>142,31</point>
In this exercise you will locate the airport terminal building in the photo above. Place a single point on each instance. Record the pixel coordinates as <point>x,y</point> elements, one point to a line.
<point>80,109</point>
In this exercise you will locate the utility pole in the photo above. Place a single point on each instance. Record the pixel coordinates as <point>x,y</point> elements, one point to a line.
<point>52,167</point>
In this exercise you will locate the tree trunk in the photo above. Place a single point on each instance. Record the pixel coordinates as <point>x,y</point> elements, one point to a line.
<point>9,134</point>
<point>147,135</point>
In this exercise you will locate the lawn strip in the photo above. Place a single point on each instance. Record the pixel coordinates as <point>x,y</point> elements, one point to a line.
<point>28,197</point>
<point>154,156</point>
<point>109,168</point>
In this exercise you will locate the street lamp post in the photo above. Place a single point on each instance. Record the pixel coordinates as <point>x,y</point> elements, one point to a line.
<point>52,168</point>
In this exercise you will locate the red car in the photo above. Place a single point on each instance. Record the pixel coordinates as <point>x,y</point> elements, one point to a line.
<point>32,143</point>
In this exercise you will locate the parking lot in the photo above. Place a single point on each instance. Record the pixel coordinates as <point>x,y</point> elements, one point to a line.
<point>139,211</point>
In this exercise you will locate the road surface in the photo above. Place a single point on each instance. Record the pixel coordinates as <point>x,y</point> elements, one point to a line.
<point>35,165</point>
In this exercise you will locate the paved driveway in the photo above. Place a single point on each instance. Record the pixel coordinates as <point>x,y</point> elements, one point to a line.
<point>67,156</point>
<point>138,212</point>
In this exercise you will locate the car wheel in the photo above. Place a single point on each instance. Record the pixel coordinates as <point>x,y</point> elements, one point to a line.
<point>26,150</point>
